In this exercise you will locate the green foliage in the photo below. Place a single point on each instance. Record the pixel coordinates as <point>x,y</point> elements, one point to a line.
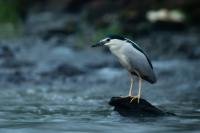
<point>10,22</point>
<point>9,11</point>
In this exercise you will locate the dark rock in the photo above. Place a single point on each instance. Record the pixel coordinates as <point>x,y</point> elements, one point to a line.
<point>16,77</point>
<point>190,49</point>
<point>6,52</point>
<point>50,24</point>
<point>63,70</point>
<point>169,26</point>
<point>75,6</point>
<point>104,64</point>
<point>195,54</point>
<point>135,109</point>
<point>67,29</point>
<point>72,6</point>
<point>17,64</point>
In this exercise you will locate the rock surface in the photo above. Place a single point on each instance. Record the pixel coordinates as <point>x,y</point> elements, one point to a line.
<point>135,109</point>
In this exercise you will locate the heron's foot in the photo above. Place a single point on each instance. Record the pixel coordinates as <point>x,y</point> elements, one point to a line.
<point>132,98</point>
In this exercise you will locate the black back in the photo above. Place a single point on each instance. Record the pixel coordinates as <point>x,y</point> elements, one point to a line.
<point>116,37</point>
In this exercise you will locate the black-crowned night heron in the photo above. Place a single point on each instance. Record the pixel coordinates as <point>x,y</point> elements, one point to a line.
<point>131,57</point>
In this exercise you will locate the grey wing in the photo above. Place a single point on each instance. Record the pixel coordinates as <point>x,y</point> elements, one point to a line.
<point>139,49</point>
<point>140,64</point>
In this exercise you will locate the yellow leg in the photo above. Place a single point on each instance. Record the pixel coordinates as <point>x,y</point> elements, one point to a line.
<point>140,87</point>
<point>131,88</point>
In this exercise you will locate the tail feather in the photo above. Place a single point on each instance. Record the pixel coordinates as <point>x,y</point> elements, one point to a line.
<point>152,78</point>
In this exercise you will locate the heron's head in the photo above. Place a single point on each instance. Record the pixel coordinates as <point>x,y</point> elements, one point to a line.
<point>110,41</point>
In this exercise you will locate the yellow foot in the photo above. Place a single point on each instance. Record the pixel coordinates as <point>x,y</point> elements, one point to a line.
<point>132,98</point>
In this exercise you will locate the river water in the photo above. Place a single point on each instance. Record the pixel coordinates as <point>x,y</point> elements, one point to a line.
<point>79,104</point>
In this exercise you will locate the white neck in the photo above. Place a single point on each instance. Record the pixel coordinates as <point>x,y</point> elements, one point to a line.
<point>115,44</point>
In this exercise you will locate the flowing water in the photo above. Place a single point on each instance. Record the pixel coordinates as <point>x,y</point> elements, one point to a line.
<point>80,104</point>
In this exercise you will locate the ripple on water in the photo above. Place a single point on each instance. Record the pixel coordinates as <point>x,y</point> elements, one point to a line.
<point>81,105</point>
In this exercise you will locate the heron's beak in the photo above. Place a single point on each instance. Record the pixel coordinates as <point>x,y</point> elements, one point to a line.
<point>98,44</point>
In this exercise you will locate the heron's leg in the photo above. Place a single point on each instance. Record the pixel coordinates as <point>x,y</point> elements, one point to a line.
<point>131,87</point>
<point>140,87</point>
<point>131,91</point>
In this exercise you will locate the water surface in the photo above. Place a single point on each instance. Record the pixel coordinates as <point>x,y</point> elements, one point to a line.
<point>80,104</point>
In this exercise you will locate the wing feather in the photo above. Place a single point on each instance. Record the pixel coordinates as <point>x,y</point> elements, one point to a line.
<point>139,49</point>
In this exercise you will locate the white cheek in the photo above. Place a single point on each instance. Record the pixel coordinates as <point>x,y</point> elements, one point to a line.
<point>107,44</point>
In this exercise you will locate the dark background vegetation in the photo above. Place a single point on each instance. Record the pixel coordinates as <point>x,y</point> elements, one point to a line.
<point>90,20</point>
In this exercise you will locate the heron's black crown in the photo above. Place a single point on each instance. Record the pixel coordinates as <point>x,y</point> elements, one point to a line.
<point>116,37</point>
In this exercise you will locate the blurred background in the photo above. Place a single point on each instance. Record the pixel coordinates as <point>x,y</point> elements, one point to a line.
<point>51,80</point>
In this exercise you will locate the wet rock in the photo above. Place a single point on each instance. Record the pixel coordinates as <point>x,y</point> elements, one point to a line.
<point>168,26</point>
<point>63,70</point>
<point>72,6</point>
<point>104,64</point>
<point>67,29</point>
<point>6,52</point>
<point>17,64</point>
<point>16,77</point>
<point>190,49</point>
<point>195,54</point>
<point>135,109</point>
<point>49,24</point>
<point>75,6</point>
